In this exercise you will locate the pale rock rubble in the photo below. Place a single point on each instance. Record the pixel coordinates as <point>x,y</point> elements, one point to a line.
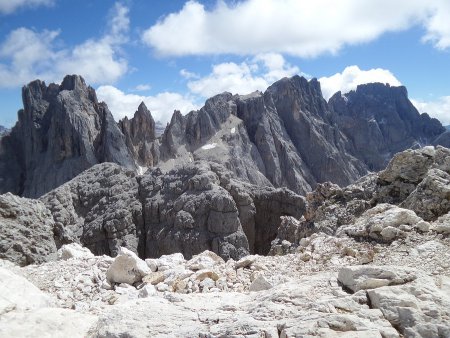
<point>319,290</point>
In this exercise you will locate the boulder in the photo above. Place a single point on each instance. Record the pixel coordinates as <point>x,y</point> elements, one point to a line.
<point>384,222</point>
<point>442,225</point>
<point>418,309</point>
<point>166,262</point>
<point>260,283</point>
<point>431,198</point>
<point>18,294</point>
<point>154,278</point>
<point>127,267</point>
<point>204,260</point>
<point>363,277</point>
<point>74,251</point>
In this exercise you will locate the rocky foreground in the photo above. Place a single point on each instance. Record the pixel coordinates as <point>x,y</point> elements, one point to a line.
<point>368,260</point>
<point>331,287</point>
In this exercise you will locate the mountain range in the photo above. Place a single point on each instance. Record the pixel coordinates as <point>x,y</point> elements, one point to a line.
<point>288,136</point>
<point>226,219</point>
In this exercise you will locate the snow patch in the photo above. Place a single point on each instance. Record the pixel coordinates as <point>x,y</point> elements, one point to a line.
<point>141,170</point>
<point>209,146</point>
<point>233,130</point>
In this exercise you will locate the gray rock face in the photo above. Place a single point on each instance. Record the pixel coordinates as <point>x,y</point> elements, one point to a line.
<point>443,139</point>
<point>380,121</point>
<point>26,231</point>
<point>3,131</point>
<point>186,210</point>
<point>100,209</point>
<point>140,136</point>
<point>189,209</point>
<point>418,180</point>
<point>289,136</point>
<point>304,114</point>
<point>61,131</point>
<point>431,198</point>
<point>283,137</point>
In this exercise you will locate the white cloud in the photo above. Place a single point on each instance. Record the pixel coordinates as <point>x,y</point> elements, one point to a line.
<point>142,87</point>
<point>30,54</point>
<point>243,78</point>
<point>438,27</point>
<point>276,66</point>
<point>161,105</point>
<point>9,6</point>
<point>188,75</point>
<point>26,55</point>
<point>439,108</point>
<point>298,27</point>
<point>352,76</point>
<point>254,74</point>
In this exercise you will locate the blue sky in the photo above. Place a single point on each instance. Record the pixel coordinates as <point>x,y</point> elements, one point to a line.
<point>174,54</point>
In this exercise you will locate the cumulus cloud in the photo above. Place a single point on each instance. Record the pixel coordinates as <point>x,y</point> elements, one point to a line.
<point>161,105</point>
<point>10,6</point>
<point>188,75</point>
<point>353,76</point>
<point>253,74</point>
<point>439,108</point>
<point>438,27</point>
<point>248,76</point>
<point>142,87</point>
<point>27,54</point>
<point>298,27</point>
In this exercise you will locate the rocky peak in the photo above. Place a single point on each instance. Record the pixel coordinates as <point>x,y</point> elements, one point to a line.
<point>204,123</point>
<point>380,120</point>
<point>61,131</point>
<point>173,135</point>
<point>197,127</point>
<point>141,127</point>
<point>297,92</point>
<point>73,82</point>
<point>139,135</point>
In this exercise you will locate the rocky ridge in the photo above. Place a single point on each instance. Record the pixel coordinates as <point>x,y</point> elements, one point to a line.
<point>288,136</point>
<point>411,194</point>
<point>367,260</point>
<point>380,121</point>
<point>190,209</point>
<point>3,131</point>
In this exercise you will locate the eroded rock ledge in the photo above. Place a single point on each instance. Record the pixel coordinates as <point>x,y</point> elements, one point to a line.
<point>193,208</point>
